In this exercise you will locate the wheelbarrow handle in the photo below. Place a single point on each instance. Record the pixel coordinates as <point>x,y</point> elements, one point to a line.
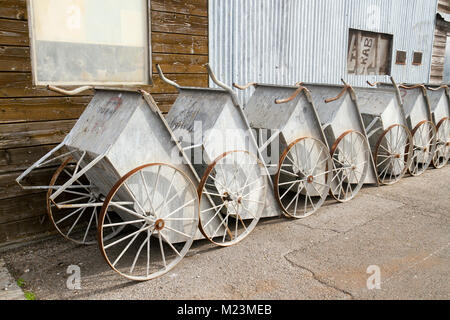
<point>292,97</point>
<point>69,92</point>
<point>373,84</point>
<point>163,78</point>
<point>444,86</point>
<point>415,86</point>
<point>245,86</point>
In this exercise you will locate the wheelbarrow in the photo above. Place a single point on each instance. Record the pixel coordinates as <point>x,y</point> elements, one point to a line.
<point>387,131</point>
<point>344,130</point>
<point>213,130</point>
<point>294,147</point>
<point>439,98</point>
<point>418,117</point>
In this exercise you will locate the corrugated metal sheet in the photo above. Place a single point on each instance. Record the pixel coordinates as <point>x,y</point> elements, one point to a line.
<point>285,41</point>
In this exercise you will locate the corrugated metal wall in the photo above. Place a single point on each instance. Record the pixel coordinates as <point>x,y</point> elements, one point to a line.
<point>285,41</point>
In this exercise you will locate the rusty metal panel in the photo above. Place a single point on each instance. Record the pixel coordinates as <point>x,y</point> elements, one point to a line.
<point>286,41</point>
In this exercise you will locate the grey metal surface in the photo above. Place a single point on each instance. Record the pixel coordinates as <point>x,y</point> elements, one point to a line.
<point>439,105</point>
<point>339,116</point>
<point>380,103</point>
<point>295,119</point>
<point>285,41</point>
<point>208,119</point>
<point>416,106</point>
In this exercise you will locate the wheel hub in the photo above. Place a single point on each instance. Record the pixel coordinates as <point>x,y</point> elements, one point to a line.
<point>310,179</point>
<point>159,224</point>
<point>397,156</point>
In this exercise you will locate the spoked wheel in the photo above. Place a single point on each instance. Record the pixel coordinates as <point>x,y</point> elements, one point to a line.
<point>393,154</point>
<point>235,184</point>
<point>159,206</point>
<point>351,155</point>
<point>304,172</point>
<point>76,219</point>
<point>424,135</point>
<point>442,152</point>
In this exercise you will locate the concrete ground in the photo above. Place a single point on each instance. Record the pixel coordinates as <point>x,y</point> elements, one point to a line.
<point>401,229</point>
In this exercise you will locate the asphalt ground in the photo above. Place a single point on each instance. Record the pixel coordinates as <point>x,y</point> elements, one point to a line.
<point>402,231</point>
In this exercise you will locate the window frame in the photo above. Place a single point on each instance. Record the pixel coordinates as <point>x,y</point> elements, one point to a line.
<point>397,51</point>
<point>37,83</point>
<point>421,58</point>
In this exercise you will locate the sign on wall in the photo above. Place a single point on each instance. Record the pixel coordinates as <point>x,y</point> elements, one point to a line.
<point>76,42</point>
<point>369,53</point>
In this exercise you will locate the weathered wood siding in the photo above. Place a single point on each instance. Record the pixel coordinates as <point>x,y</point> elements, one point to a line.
<point>33,120</point>
<point>440,40</point>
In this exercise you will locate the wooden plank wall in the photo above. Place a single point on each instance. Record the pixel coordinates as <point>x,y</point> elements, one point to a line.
<point>439,44</point>
<point>34,120</point>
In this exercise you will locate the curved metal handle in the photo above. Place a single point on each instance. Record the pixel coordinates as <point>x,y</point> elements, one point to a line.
<point>69,92</point>
<point>444,86</point>
<point>341,94</point>
<point>222,85</point>
<point>244,87</point>
<point>163,78</point>
<point>415,86</point>
<point>373,84</point>
<point>292,97</point>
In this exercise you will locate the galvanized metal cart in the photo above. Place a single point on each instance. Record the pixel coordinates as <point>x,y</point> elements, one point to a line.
<point>418,117</point>
<point>387,131</point>
<point>118,158</point>
<point>293,144</point>
<point>223,151</point>
<point>439,98</point>
<point>344,130</point>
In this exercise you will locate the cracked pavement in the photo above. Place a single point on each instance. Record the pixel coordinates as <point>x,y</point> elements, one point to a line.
<point>403,229</point>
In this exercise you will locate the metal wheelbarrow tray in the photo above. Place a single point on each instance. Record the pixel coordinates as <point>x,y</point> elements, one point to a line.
<point>344,130</point>
<point>293,145</point>
<point>387,131</point>
<point>439,98</point>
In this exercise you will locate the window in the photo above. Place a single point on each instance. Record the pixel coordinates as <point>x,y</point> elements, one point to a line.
<point>400,57</point>
<point>96,42</point>
<point>369,53</point>
<point>417,58</point>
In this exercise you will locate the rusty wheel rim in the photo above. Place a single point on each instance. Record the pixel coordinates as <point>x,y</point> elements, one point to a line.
<point>76,224</point>
<point>235,185</point>
<point>304,169</point>
<point>442,151</point>
<point>159,206</point>
<point>393,154</point>
<point>350,154</point>
<point>423,135</point>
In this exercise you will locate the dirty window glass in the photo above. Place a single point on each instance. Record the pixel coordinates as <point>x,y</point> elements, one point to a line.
<point>90,42</point>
